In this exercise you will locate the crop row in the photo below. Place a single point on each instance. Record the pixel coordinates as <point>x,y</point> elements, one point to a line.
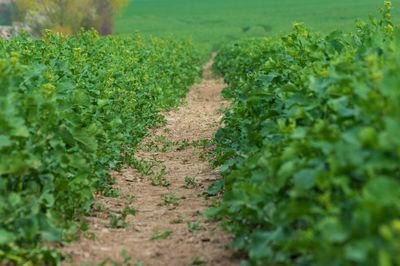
<point>310,147</point>
<point>71,109</point>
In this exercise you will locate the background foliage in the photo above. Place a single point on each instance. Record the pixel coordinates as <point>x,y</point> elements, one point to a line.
<point>72,108</point>
<point>310,149</point>
<point>68,16</point>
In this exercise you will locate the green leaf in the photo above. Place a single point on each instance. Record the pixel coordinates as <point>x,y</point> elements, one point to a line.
<point>358,251</point>
<point>87,140</point>
<point>305,178</point>
<point>5,142</point>
<point>6,237</point>
<point>333,231</point>
<point>382,191</point>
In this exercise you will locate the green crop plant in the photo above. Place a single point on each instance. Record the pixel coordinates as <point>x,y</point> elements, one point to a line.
<point>310,151</point>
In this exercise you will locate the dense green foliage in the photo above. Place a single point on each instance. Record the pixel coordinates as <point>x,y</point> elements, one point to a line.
<point>310,147</point>
<point>72,108</point>
<point>214,22</point>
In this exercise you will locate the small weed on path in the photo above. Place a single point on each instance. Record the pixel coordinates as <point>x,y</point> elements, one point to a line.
<point>194,227</point>
<point>117,222</point>
<point>126,211</point>
<point>178,220</point>
<point>197,261</point>
<point>108,261</point>
<point>158,179</point>
<point>112,193</point>
<point>131,200</point>
<point>157,235</point>
<point>191,182</point>
<point>99,207</point>
<point>170,200</point>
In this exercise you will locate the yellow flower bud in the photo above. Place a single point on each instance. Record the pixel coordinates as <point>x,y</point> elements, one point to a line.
<point>388,5</point>
<point>389,29</point>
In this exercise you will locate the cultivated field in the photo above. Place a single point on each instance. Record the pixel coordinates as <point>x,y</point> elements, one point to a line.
<point>129,150</point>
<point>213,22</point>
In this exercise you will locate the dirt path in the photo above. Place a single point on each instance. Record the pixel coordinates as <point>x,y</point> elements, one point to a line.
<point>180,148</point>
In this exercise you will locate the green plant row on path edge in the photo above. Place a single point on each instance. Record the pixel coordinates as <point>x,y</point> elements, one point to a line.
<point>310,147</point>
<point>72,109</point>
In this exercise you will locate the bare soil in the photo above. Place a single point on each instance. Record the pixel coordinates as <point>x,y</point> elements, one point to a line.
<point>196,120</point>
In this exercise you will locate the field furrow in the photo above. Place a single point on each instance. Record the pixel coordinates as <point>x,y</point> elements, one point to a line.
<point>168,227</point>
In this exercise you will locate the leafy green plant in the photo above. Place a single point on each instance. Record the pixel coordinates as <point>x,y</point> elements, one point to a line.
<point>308,152</point>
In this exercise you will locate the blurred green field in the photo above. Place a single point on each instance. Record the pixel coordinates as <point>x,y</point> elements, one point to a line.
<point>212,22</point>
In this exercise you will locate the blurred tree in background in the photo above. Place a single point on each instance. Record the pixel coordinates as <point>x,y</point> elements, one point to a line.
<point>5,13</point>
<point>68,16</point>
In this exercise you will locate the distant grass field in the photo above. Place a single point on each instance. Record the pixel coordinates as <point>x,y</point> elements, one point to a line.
<point>212,22</point>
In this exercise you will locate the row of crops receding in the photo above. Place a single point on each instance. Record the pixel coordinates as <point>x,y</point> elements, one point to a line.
<point>310,148</point>
<point>71,109</point>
